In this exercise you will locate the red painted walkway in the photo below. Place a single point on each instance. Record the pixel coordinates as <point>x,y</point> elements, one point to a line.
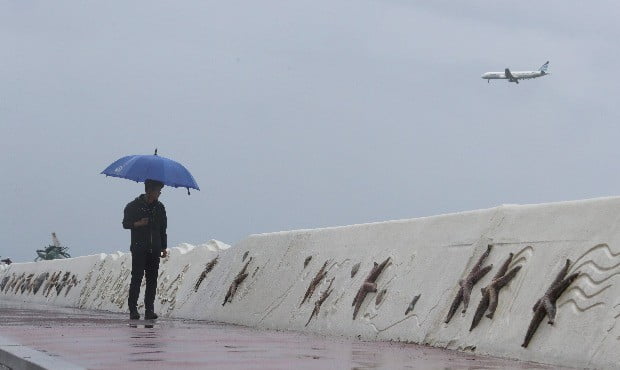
<point>103,340</point>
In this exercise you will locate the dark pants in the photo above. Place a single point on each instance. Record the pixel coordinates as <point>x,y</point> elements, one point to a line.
<point>143,263</point>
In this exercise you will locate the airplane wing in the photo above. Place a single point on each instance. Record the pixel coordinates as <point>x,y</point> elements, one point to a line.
<point>510,76</point>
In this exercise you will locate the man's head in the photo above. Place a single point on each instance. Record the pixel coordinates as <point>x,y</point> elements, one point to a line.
<point>152,188</point>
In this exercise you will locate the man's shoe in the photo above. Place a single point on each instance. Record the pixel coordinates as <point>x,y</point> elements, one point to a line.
<point>150,315</point>
<point>134,315</point>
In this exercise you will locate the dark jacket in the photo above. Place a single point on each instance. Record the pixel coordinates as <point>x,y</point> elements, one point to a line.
<point>151,237</point>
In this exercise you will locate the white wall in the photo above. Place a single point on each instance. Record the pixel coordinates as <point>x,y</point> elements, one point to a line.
<point>428,257</point>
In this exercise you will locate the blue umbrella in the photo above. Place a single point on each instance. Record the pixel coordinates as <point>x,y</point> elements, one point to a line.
<point>154,167</point>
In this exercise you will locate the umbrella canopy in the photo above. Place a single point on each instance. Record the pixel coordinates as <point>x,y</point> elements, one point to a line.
<point>154,167</point>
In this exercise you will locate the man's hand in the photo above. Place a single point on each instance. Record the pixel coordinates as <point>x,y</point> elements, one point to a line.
<point>143,222</point>
<point>164,253</point>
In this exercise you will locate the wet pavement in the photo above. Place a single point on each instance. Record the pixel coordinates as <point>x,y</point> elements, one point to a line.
<point>104,340</point>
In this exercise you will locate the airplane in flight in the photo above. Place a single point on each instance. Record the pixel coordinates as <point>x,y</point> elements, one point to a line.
<point>516,75</point>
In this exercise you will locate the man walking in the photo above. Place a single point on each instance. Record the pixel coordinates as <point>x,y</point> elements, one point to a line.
<point>145,216</point>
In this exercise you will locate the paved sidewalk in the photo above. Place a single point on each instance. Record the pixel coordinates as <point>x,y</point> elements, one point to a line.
<point>104,340</point>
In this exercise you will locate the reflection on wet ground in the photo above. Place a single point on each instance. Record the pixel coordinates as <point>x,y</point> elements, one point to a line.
<point>104,340</point>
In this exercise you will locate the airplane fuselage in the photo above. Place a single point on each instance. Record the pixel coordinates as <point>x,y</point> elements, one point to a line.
<point>516,74</point>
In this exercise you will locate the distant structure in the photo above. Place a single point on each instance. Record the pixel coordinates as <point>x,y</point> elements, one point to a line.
<point>6,261</point>
<point>52,252</point>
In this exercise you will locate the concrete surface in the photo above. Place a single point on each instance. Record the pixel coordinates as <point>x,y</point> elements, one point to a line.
<point>103,340</point>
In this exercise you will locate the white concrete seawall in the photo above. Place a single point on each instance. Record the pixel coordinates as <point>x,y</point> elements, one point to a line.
<point>427,257</point>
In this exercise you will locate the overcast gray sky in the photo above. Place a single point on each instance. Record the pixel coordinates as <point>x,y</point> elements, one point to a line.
<point>298,114</point>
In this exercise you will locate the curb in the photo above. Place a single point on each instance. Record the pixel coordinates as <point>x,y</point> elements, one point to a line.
<point>18,356</point>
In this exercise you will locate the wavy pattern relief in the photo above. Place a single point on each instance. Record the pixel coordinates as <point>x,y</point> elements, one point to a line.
<point>597,266</point>
<point>578,291</point>
<point>602,247</point>
<point>577,307</point>
<point>593,281</point>
<point>522,256</point>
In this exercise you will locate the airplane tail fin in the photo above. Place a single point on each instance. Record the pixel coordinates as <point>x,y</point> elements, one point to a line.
<point>544,67</point>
